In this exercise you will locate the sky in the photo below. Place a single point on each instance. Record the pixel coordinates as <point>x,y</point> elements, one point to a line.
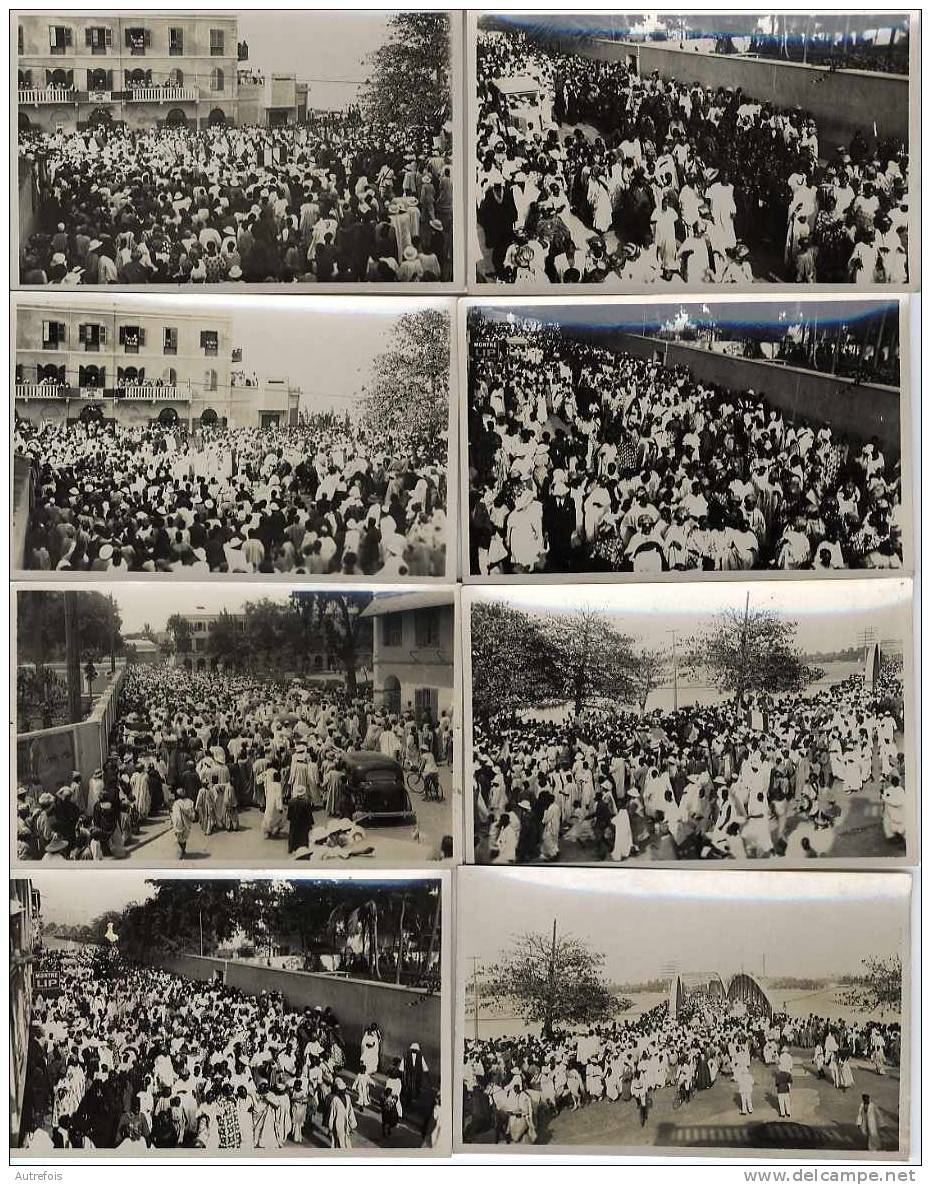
<point>831,615</point>
<point>325,48</point>
<point>804,924</point>
<point>644,315</point>
<point>77,899</point>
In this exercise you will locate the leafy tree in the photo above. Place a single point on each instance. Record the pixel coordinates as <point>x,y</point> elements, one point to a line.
<point>407,396</point>
<point>650,670</point>
<point>879,988</point>
<point>409,80</point>
<point>513,665</point>
<point>225,641</point>
<point>593,659</point>
<point>334,621</point>
<point>179,631</point>
<point>751,651</point>
<point>41,626</point>
<point>551,983</point>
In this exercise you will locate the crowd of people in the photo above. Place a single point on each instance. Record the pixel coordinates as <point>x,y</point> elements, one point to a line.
<point>318,498</point>
<point>775,776</point>
<point>587,459</point>
<point>132,1058</point>
<point>513,1084</point>
<point>196,749</point>
<point>601,174</point>
<point>175,205</point>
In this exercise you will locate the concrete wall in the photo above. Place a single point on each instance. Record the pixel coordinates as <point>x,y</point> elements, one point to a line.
<point>859,411</point>
<point>28,199</point>
<point>403,1014</point>
<point>840,103</point>
<point>23,494</point>
<point>49,755</point>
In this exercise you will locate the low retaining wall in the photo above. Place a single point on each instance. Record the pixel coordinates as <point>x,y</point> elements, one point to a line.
<point>841,102</point>
<point>50,755</point>
<point>857,410</point>
<point>403,1014</point>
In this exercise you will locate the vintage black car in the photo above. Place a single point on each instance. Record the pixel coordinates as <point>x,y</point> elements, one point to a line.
<point>375,790</point>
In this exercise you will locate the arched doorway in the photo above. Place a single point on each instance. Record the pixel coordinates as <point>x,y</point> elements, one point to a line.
<point>23,122</point>
<point>92,414</point>
<point>100,117</point>
<point>175,118</point>
<point>168,417</point>
<point>217,117</point>
<point>209,417</point>
<point>392,695</point>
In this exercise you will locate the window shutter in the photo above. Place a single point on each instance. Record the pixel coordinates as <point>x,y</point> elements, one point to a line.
<point>122,335</point>
<point>89,37</point>
<point>141,337</point>
<point>147,37</point>
<point>52,36</point>
<point>203,339</point>
<point>46,332</point>
<point>61,333</point>
<point>82,334</point>
<point>69,39</point>
<point>108,38</point>
<point>102,334</point>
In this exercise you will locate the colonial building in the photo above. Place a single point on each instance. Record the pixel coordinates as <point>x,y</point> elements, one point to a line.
<point>413,652</point>
<point>270,100</point>
<point>133,364</point>
<point>25,940</point>
<point>139,68</point>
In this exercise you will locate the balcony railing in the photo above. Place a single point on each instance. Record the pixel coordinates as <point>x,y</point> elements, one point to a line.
<point>152,394</point>
<point>47,94</point>
<point>160,94</point>
<point>41,391</point>
<point>140,392</point>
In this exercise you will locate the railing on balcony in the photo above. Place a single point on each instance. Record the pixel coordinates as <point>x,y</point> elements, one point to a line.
<point>140,392</point>
<point>41,391</point>
<point>47,94</point>
<point>160,94</point>
<point>152,393</point>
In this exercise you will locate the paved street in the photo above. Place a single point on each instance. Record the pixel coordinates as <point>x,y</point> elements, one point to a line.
<point>248,846</point>
<point>821,1116</point>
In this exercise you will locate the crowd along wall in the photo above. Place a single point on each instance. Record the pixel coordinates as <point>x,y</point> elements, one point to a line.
<point>49,756</point>
<point>841,101</point>
<point>403,1014</point>
<point>857,410</point>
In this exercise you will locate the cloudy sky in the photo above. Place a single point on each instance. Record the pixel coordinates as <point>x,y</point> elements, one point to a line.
<point>803,924</point>
<point>831,615</point>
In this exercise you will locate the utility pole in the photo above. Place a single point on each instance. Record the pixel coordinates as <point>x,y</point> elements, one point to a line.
<point>72,657</point>
<point>475,996</point>
<point>112,634</point>
<point>675,672</point>
<point>551,991</point>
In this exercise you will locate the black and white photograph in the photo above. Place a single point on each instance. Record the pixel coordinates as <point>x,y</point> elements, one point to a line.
<point>654,438</point>
<point>684,1014</point>
<point>240,725</point>
<point>237,148</point>
<point>218,1016</point>
<point>302,437</point>
<point>630,725</point>
<point>694,149</point>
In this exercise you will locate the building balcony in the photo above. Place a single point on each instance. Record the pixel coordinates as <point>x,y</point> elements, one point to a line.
<point>139,393</point>
<point>161,94</point>
<point>36,96</point>
<point>150,393</point>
